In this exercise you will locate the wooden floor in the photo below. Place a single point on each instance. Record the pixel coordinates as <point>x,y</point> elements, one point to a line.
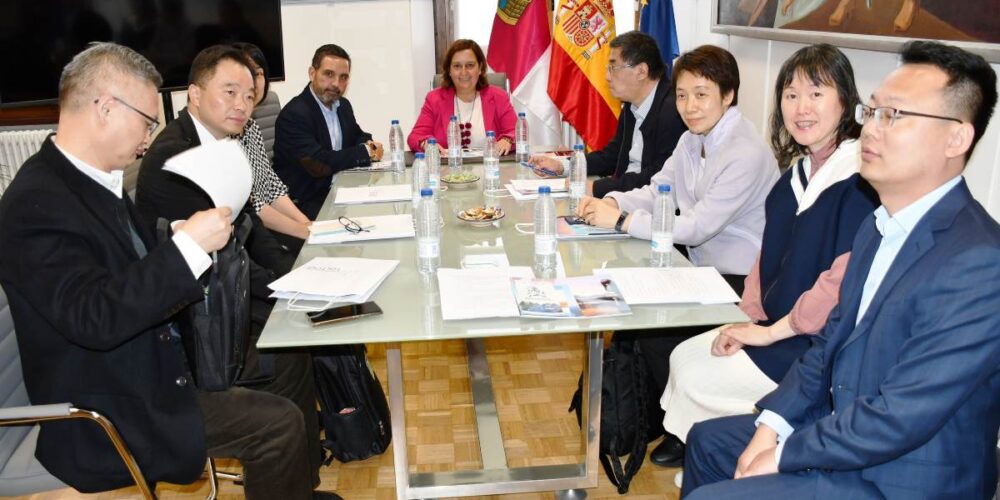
<point>533,379</point>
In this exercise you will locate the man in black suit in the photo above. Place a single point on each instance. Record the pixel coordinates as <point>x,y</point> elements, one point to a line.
<point>649,126</point>
<point>220,99</point>
<point>316,134</point>
<point>90,292</point>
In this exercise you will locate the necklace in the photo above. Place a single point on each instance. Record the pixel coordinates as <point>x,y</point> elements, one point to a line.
<point>465,126</point>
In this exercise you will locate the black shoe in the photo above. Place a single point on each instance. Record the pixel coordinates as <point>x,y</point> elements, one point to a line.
<point>325,495</point>
<point>669,453</point>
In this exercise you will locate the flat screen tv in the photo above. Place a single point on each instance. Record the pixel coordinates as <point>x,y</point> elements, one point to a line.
<point>38,37</point>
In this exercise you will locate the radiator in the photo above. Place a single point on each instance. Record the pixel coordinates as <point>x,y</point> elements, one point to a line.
<point>15,147</point>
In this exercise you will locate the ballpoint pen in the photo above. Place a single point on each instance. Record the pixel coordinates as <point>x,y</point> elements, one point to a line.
<point>539,169</point>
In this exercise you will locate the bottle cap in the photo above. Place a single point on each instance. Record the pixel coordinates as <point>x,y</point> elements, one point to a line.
<point>454,118</point>
<point>544,190</point>
<point>490,133</point>
<point>663,188</point>
<point>419,155</point>
<point>520,114</point>
<point>426,192</point>
<point>578,147</point>
<point>395,122</point>
<point>432,141</point>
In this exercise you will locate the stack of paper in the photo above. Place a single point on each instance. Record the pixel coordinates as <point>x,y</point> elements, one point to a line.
<point>378,227</point>
<point>579,297</point>
<point>671,285</point>
<point>527,189</point>
<point>376,166</point>
<point>573,228</point>
<point>373,194</point>
<point>343,279</point>
<point>479,293</point>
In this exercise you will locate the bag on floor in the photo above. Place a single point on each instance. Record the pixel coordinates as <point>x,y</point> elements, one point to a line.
<point>626,426</point>
<point>353,409</point>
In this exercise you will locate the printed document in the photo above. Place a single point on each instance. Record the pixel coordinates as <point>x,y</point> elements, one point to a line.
<point>373,194</point>
<point>377,227</point>
<point>482,292</point>
<point>335,276</point>
<point>670,285</point>
<point>220,169</point>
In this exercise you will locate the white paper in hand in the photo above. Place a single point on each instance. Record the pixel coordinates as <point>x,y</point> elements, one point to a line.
<point>220,169</point>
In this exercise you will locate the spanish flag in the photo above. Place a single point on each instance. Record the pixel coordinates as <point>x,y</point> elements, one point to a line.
<point>580,54</point>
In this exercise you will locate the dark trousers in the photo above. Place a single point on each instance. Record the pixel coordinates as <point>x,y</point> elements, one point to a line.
<point>272,429</point>
<point>715,445</point>
<point>658,343</point>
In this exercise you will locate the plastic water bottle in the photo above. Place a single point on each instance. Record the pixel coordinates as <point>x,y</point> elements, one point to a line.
<point>428,233</point>
<point>545,230</point>
<point>396,147</point>
<point>521,147</point>
<point>454,146</point>
<point>491,163</point>
<point>577,178</point>
<point>419,178</point>
<point>662,242</point>
<point>432,154</point>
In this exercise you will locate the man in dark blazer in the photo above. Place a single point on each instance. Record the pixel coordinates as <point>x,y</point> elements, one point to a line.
<point>636,76</point>
<point>92,295</point>
<point>899,397</point>
<point>316,134</point>
<point>220,98</point>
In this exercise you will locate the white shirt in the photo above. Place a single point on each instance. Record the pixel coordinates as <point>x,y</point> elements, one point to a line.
<point>196,258</point>
<point>472,112</point>
<point>635,152</point>
<point>332,121</point>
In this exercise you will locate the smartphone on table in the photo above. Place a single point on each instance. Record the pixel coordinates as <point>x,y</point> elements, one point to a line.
<point>343,313</point>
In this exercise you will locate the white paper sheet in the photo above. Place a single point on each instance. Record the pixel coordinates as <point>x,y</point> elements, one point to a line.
<point>671,285</point>
<point>220,169</point>
<point>528,186</point>
<point>379,227</point>
<point>373,194</point>
<point>479,293</point>
<point>335,276</point>
<point>518,196</point>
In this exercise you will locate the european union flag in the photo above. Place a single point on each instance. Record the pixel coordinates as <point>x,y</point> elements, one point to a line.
<point>657,20</point>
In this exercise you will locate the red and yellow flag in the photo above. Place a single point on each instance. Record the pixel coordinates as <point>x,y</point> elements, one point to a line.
<point>580,54</point>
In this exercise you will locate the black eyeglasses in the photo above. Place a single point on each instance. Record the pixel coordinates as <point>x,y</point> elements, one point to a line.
<point>152,124</point>
<point>351,226</point>
<point>885,116</point>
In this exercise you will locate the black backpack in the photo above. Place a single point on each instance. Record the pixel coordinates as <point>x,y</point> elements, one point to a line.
<point>353,408</point>
<point>629,417</point>
<point>215,331</point>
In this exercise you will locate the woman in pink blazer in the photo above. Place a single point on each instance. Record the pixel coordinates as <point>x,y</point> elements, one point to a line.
<point>464,93</point>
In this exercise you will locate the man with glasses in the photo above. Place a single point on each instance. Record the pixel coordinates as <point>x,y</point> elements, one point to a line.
<point>648,127</point>
<point>899,397</point>
<point>92,294</point>
<point>269,420</point>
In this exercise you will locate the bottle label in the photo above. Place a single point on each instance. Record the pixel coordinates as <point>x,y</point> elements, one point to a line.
<point>545,244</point>
<point>428,248</point>
<point>522,148</point>
<point>577,189</point>
<point>455,152</point>
<point>397,156</point>
<point>432,182</point>
<point>662,242</point>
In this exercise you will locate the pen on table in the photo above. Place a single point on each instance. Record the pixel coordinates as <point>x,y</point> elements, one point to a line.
<point>539,169</point>
<point>343,230</point>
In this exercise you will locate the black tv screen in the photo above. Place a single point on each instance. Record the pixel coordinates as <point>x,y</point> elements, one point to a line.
<point>38,37</point>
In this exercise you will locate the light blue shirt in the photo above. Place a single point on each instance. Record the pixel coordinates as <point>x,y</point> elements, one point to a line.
<point>332,121</point>
<point>640,112</point>
<point>894,230</point>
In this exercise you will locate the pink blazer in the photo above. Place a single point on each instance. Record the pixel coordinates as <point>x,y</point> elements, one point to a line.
<point>498,115</point>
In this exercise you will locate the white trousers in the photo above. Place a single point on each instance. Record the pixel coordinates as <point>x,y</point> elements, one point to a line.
<point>702,386</point>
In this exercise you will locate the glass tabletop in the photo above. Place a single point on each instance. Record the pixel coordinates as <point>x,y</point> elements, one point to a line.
<point>411,301</point>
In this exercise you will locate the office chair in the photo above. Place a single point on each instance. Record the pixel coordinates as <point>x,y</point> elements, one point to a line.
<point>496,79</point>
<point>20,472</point>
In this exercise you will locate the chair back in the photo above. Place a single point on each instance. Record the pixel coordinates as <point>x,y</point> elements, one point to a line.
<point>495,79</point>
<point>266,114</point>
<point>12,392</point>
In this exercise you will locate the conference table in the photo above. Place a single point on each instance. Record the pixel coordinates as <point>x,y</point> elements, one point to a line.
<point>411,313</point>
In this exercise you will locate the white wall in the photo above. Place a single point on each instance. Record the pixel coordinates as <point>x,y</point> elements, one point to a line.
<point>760,61</point>
<point>391,43</point>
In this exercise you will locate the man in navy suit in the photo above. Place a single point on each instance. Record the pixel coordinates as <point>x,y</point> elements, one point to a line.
<point>316,134</point>
<point>899,397</point>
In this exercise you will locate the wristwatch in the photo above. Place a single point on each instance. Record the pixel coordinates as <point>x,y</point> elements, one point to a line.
<point>621,221</point>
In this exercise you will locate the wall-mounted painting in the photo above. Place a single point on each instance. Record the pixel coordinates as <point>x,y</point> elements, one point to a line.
<point>865,24</point>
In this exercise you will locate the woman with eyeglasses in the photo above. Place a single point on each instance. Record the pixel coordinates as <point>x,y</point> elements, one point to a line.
<point>813,213</point>
<point>465,93</point>
<point>268,194</point>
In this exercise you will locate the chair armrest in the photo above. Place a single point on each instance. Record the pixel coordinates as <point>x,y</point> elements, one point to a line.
<point>34,412</point>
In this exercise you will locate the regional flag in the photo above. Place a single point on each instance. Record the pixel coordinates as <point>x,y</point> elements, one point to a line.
<point>580,55</point>
<point>657,20</point>
<point>519,46</point>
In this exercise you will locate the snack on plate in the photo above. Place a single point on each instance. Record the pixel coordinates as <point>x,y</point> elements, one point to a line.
<point>482,214</point>
<point>460,178</point>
